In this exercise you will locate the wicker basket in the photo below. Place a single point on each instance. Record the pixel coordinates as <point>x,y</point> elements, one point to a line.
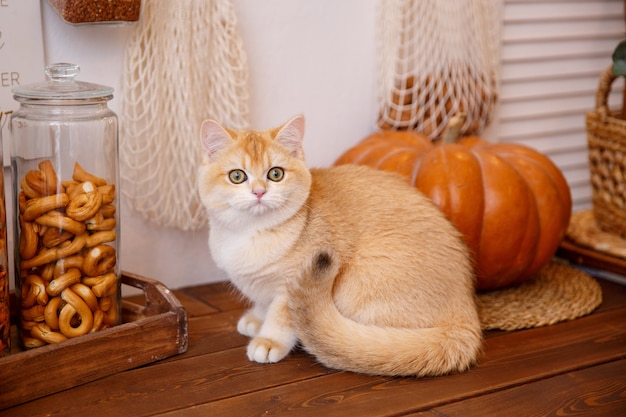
<point>606,136</point>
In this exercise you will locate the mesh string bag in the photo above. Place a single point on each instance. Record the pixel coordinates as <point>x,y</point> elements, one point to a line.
<point>183,63</point>
<point>437,59</point>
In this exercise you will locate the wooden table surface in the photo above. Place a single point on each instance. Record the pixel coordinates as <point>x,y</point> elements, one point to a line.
<point>575,368</point>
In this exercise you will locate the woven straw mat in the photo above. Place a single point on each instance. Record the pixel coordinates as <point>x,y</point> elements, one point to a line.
<point>558,293</point>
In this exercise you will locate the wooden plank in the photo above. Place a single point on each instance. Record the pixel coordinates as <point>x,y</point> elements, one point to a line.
<point>169,385</point>
<point>218,323</point>
<point>194,307</point>
<point>613,296</point>
<point>220,295</point>
<point>214,333</point>
<point>510,359</point>
<point>599,391</point>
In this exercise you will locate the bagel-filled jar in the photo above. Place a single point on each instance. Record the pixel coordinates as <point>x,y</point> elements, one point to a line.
<point>65,166</point>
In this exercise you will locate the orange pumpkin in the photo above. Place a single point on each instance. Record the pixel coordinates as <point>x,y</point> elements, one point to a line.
<point>510,202</point>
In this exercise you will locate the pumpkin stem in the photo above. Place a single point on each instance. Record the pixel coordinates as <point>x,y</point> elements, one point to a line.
<point>453,129</point>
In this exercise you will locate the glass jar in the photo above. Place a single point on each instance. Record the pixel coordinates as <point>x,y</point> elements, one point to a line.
<point>65,166</point>
<point>5,313</point>
<point>97,11</point>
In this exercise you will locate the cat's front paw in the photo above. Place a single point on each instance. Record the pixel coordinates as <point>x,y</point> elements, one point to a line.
<point>249,325</point>
<point>263,350</point>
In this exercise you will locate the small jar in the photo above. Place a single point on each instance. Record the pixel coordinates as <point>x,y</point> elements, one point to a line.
<point>5,313</point>
<point>97,11</point>
<point>65,166</point>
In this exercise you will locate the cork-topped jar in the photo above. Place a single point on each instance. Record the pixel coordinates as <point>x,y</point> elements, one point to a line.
<point>65,174</point>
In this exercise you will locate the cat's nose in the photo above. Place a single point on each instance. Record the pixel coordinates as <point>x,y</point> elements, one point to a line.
<point>259,192</point>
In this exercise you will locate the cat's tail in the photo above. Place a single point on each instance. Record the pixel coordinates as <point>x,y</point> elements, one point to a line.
<point>341,343</point>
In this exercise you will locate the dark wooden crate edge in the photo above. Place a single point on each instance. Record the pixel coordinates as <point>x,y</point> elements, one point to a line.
<point>580,255</point>
<point>150,333</point>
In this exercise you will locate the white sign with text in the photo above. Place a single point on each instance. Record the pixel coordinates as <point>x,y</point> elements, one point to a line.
<point>21,55</point>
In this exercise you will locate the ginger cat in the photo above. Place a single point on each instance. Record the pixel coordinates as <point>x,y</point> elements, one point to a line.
<point>355,264</point>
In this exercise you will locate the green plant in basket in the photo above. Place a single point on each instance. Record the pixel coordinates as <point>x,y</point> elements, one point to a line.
<point>619,69</point>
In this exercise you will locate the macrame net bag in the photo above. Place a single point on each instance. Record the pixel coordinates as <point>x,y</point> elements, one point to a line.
<point>437,59</point>
<point>184,63</point>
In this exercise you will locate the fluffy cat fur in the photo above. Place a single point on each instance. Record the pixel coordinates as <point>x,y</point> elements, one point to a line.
<point>355,264</point>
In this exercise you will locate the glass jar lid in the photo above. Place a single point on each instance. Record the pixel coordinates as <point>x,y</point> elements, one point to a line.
<point>62,85</point>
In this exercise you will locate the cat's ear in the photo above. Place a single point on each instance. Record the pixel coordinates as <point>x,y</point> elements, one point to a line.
<point>291,136</point>
<point>214,138</point>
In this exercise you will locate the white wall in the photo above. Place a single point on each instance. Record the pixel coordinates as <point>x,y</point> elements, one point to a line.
<point>310,57</point>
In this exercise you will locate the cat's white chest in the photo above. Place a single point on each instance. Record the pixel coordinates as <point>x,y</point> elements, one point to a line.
<point>249,255</point>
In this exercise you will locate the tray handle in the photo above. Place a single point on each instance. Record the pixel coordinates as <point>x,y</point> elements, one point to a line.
<point>159,298</point>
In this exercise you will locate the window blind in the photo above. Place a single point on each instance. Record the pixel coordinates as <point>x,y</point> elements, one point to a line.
<point>552,55</point>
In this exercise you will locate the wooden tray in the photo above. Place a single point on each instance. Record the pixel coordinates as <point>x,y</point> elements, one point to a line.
<point>148,333</point>
<point>580,255</point>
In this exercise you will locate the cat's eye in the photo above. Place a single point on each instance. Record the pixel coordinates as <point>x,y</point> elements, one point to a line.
<point>237,176</point>
<point>276,174</point>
